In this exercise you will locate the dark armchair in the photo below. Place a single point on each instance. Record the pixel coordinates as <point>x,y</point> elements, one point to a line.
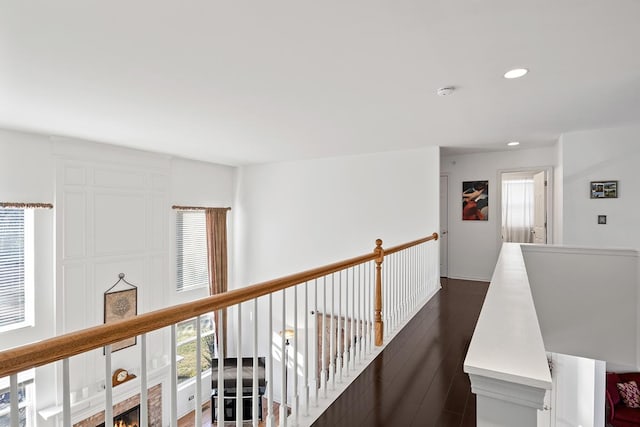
<point>618,414</point>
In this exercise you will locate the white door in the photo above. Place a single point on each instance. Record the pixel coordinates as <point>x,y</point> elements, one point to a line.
<point>540,208</point>
<point>444,226</point>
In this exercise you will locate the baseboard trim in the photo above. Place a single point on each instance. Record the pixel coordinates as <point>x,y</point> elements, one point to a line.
<point>471,278</point>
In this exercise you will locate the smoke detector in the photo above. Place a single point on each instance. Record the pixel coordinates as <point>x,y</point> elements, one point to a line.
<point>444,91</point>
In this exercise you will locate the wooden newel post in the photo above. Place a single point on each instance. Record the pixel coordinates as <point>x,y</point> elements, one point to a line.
<point>379,327</point>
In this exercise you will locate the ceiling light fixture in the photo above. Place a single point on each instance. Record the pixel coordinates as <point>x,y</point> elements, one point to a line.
<point>515,73</point>
<point>444,91</point>
<point>513,143</point>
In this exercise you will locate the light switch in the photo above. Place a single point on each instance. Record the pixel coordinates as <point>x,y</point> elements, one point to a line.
<point>602,219</point>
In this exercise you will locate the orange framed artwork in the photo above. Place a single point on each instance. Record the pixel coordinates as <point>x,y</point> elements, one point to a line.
<point>475,200</point>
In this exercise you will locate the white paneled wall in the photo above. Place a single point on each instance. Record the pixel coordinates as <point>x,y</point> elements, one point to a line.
<point>112,218</point>
<point>113,215</point>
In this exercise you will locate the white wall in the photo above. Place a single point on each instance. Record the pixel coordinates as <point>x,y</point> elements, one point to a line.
<point>27,175</point>
<point>604,154</point>
<point>474,245</point>
<point>586,301</point>
<point>579,391</point>
<point>298,215</point>
<point>113,214</point>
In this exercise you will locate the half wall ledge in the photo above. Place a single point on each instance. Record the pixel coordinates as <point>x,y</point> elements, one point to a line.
<point>506,361</point>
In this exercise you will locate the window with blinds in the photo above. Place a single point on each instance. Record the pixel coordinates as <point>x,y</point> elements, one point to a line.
<point>191,250</point>
<point>15,264</point>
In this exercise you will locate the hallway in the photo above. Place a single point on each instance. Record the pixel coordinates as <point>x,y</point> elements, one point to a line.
<point>418,379</point>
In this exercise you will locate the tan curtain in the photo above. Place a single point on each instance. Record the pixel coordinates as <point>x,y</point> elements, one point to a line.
<point>217,252</point>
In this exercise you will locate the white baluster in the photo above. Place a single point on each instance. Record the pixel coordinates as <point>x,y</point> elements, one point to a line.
<point>411,279</point>
<point>360,321</point>
<point>174,378</point>
<point>411,299</point>
<point>365,307</point>
<point>400,300</point>
<point>14,400</point>
<point>385,307</point>
<point>340,346</point>
<point>295,403</point>
<point>368,284</point>
<point>332,336</point>
<point>355,301</point>
<point>144,393</point>
<point>108,399</point>
<point>254,388</point>
<point>315,340</point>
<point>386,298</point>
<point>323,375</point>
<point>405,284</point>
<point>418,268</point>
<point>306,348</point>
<point>239,379</point>
<point>283,374</point>
<point>198,391</point>
<point>352,353</point>
<point>66,394</point>
<point>412,295</point>
<point>390,261</point>
<point>221,353</point>
<point>270,415</point>
<point>421,270</point>
<point>347,331</point>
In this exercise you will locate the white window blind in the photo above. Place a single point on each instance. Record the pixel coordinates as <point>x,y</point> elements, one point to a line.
<point>191,250</point>
<point>13,298</point>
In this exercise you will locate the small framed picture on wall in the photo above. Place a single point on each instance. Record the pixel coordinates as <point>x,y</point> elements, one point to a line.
<point>604,189</point>
<point>475,200</point>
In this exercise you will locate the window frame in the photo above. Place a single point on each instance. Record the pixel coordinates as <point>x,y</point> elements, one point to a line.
<point>180,286</point>
<point>192,339</point>
<point>29,272</point>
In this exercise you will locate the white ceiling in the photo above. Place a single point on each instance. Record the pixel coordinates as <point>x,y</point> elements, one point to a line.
<point>241,82</point>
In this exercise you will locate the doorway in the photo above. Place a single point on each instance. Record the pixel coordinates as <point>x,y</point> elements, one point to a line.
<point>525,206</point>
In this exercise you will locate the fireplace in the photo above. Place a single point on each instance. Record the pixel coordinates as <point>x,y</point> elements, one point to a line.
<point>130,418</point>
<point>154,403</point>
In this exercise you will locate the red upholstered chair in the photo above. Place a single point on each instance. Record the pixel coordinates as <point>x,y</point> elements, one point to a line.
<point>619,415</point>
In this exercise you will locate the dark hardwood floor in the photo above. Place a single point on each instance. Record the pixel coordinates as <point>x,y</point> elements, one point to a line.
<point>418,379</point>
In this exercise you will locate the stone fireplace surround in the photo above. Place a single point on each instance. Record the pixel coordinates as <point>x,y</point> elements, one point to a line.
<point>155,409</point>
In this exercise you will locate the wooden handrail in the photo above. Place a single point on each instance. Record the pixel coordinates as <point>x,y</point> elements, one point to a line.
<point>64,346</point>
<point>404,246</point>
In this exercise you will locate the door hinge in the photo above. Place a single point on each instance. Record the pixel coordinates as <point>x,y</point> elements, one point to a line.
<point>546,182</point>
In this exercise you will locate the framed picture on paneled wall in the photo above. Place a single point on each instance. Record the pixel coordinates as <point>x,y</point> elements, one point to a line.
<point>121,305</point>
<point>475,200</point>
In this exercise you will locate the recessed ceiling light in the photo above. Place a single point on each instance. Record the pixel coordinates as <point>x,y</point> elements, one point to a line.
<point>515,73</point>
<point>513,143</point>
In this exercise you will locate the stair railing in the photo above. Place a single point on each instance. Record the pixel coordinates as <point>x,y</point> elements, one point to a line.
<point>337,309</point>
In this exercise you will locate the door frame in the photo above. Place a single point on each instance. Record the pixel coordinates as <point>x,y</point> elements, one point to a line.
<point>444,175</point>
<point>549,174</point>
